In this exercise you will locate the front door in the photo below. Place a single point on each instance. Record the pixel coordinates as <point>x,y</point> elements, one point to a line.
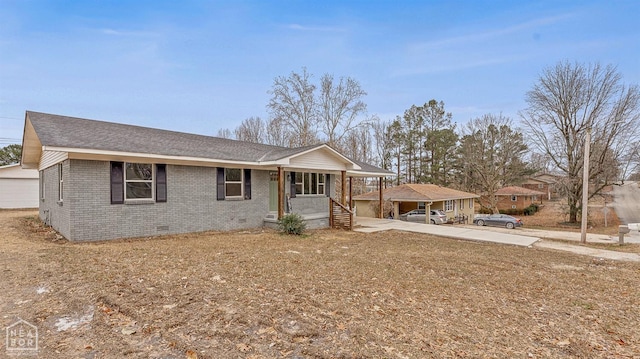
<point>273,191</point>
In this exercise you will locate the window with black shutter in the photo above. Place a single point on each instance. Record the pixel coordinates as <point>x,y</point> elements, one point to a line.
<point>247,184</point>
<point>161,183</point>
<point>117,182</point>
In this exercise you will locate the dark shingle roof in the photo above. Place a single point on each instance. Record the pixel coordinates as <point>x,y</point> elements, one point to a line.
<point>79,133</point>
<point>72,132</point>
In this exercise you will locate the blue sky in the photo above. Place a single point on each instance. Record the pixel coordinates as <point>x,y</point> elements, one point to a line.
<point>198,66</point>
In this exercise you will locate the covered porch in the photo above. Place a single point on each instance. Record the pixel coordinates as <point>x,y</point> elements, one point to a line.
<point>318,184</point>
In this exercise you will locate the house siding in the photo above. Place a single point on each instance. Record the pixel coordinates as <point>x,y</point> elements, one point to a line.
<point>52,211</point>
<point>87,213</point>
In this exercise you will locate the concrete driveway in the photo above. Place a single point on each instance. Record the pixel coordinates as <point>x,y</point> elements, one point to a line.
<point>519,237</point>
<point>370,225</point>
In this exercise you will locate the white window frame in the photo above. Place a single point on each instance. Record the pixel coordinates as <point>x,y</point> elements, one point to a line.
<point>60,183</point>
<point>540,185</point>
<point>513,206</point>
<point>514,198</point>
<point>306,183</point>
<point>241,182</point>
<point>448,205</point>
<point>152,181</point>
<point>42,186</point>
<point>422,205</point>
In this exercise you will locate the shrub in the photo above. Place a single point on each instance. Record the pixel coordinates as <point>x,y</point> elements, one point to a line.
<point>532,209</point>
<point>292,223</point>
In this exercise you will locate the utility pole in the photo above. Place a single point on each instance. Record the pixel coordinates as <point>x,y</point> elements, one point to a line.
<point>585,187</point>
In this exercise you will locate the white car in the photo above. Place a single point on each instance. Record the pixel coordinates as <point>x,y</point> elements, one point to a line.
<point>436,216</point>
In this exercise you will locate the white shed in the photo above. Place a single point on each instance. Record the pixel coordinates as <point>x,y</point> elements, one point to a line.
<point>19,188</point>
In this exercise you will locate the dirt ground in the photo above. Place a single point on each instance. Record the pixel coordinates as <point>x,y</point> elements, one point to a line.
<point>331,294</point>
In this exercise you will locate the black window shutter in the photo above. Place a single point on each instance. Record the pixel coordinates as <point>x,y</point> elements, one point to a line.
<point>292,187</point>
<point>220,184</point>
<point>117,182</point>
<point>327,185</point>
<point>161,183</point>
<point>247,183</point>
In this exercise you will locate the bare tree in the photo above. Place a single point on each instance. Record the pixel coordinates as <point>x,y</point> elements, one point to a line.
<point>251,129</point>
<point>339,106</point>
<point>382,142</point>
<point>277,133</point>
<point>224,133</point>
<point>566,102</point>
<point>294,105</point>
<point>492,155</point>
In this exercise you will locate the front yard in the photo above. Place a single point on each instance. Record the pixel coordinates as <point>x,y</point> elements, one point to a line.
<point>332,294</point>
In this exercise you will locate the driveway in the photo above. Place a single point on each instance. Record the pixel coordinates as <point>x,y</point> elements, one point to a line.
<point>370,225</point>
<point>519,237</point>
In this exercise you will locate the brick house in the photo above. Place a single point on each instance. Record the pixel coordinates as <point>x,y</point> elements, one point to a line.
<point>407,197</point>
<point>542,183</point>
<point>515,198</point>
<point>100,180</point>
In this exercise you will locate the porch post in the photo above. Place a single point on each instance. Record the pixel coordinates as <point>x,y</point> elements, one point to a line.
<point>280,193</point>
<point>381,212</point>
<point>396,210</point>
<point>344,188</point>
<point>350,192</point>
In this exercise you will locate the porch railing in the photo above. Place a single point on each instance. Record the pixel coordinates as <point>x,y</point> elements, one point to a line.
<point>339,215</point>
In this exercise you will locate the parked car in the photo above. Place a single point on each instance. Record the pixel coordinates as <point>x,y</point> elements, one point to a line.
<point>498,220</point>
<point>436,216</point>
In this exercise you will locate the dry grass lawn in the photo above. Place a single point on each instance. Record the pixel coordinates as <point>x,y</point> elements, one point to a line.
<point>332,294</point>
<point>553,216</point>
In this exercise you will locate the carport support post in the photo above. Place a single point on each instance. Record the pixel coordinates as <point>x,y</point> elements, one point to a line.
<point>381,211</point>
<point>280,193</point>
<point>344,188</point>
<point>396,210</point>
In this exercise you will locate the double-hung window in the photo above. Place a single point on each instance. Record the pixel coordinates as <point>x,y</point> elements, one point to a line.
<point>42,186</point>
<point>233,183</point>
<point>448,205</point>
<point>309,183</point>
<point>138,181</point>
<point>60,183</point>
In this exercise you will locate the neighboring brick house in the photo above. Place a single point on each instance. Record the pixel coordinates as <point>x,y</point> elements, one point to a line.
<point>407,197</point>
<point>542,183</point>
<point>102,180</point>
<point>514,198</point>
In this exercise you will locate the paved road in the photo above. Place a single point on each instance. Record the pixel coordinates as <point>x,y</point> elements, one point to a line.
<point>626,202</point>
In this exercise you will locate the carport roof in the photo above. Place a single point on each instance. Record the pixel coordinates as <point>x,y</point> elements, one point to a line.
<point>416,193</point>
